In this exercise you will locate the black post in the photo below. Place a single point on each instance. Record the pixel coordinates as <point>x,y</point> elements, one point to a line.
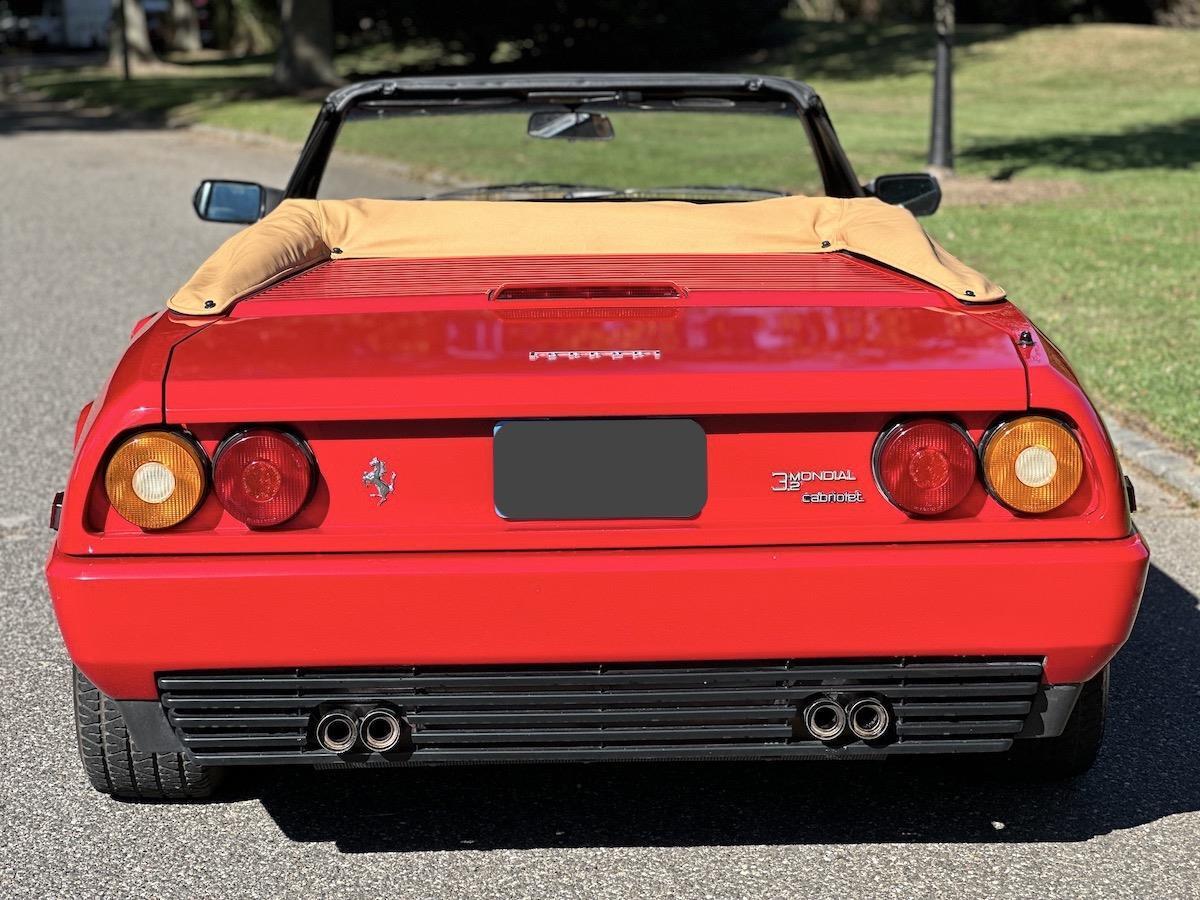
<point>941,132</point>
<point>123,28</point>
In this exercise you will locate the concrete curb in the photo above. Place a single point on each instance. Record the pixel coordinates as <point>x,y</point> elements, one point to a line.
<point>1139,451</point>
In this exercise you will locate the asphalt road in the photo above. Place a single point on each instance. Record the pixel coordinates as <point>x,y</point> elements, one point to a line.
<point>95,230</point>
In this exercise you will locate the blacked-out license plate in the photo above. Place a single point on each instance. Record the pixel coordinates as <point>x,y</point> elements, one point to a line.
<point>600,469</point>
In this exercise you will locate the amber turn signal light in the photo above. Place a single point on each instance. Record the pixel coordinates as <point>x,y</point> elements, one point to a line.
<point>1032,464</point>
<point>156,479</point>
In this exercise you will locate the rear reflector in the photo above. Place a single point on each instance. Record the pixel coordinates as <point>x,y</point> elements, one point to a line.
<point>263,477</point>
<point>925,467</point>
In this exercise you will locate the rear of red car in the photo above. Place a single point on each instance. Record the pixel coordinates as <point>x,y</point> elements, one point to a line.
<point>770,506</point>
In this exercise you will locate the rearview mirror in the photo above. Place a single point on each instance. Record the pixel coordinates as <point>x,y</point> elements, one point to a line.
<point>918,192</point>
<point>237,202</point>
<point>573,126</point>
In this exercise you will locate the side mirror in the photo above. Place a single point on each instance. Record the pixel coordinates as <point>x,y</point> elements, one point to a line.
<point>237,202</point>
<point>918,192</point>
<point>573,126</point>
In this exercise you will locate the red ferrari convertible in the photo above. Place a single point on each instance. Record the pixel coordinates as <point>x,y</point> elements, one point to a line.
<point>653,434</point>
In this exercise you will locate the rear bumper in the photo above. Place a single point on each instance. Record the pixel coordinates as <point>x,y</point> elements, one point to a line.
<point>1068,603</point>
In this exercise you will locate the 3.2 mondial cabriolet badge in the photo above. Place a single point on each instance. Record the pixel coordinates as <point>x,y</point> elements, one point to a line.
<point>373,478</point>
<point>800,481</point>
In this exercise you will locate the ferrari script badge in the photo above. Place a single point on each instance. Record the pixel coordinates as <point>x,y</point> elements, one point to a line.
<point>374,478</point>
<point>555,355</point>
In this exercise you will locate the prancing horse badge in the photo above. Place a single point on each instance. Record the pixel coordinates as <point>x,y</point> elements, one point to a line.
<point>373,478</point>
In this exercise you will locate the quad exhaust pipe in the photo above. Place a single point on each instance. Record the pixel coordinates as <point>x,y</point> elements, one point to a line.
<point>828,720</point>
<point>379,730</point>
<point>337,731</point>
<point>868,719</point>
<point>825,719</point>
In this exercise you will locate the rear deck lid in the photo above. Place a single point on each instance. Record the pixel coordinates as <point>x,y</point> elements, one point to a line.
<point>373,340</point>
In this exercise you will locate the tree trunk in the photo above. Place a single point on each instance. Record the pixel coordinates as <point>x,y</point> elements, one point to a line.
<point>941,129</point>
<point>239,27</point>
<point>251,33</point>
<point>136,33</point>
<point>185,26</point>
<point>305,56</point>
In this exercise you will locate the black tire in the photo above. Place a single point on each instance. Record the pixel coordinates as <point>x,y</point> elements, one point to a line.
<point>1073,752</point>
<point>115,766</point>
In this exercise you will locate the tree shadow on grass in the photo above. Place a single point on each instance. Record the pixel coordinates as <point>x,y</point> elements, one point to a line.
<point>1149,769</point>
<point>1170,145</point>
<point>105,103</point>
<point>851,51</point>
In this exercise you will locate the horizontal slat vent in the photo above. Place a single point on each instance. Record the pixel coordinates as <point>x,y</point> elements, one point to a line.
<point>359,278</point>
<point>620,711</point>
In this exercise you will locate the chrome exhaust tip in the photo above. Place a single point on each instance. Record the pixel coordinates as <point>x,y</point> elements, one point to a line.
<point>337,731</point>
<point>381,730</point>
<point>825,719</point>
<point>868,719</point>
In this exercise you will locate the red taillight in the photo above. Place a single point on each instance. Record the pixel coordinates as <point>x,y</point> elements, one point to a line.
<point>926,466</point>
<point>262,477</point>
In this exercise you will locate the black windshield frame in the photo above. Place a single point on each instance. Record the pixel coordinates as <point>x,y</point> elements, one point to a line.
<point>591,90</point>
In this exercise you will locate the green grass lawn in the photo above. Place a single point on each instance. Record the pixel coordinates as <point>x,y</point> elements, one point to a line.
<point>1078,152</point>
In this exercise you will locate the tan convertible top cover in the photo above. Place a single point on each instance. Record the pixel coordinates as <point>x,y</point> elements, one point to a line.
<point>300,233</point>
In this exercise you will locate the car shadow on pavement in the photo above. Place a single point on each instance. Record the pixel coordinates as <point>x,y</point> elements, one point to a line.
<point>1149,768</point>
